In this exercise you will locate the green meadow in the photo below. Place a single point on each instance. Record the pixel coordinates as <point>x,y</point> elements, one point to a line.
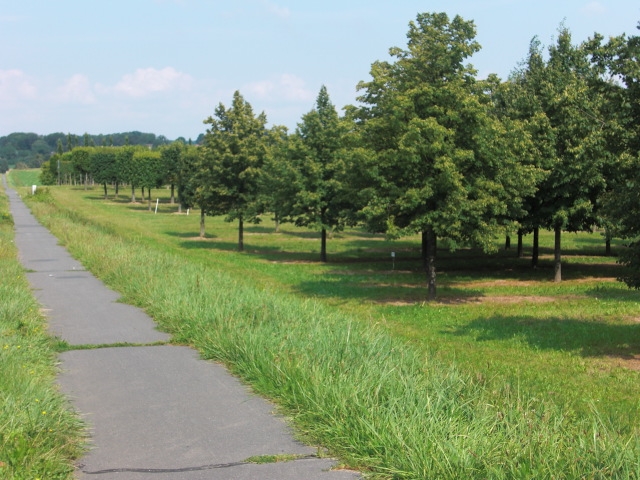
<point>506,375</point>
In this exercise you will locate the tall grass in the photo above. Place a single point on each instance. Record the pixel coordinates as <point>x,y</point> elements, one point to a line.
<point>39,435</point>
<point>373,400</point>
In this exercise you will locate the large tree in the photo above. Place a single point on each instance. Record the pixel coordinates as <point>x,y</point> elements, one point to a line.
<point>443,163</point>
<point>321,198</point>
<point>232,156</point>
<point>574,134</point>
<point>618,61</point>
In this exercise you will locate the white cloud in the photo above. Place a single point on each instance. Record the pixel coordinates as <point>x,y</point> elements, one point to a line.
<point>594,8</point>
<point>145,81</point>
<point>77,89</point>
<point>15,85</point>
<point>285,87</point>
<point>277,10</point>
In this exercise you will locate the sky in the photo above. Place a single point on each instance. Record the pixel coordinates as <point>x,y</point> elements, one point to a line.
<point>163,66</point>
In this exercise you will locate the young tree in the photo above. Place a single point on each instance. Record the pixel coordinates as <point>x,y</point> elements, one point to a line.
<point>81,159</point>
<point>150,166</point>
<point>171,160</point>
<point>233,154</point>
<point>563,91</point>
<point>278,179</point>
<point>186,178</point>
<point>443,164</point>
<point>104,167</point>
<point>128,170</point>
<point>321,199</point>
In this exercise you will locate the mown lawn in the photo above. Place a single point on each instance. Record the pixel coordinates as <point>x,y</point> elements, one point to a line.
<point>518,336</point>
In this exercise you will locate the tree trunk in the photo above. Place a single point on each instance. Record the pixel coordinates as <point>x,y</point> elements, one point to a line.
<point>507,243</point>
<point>520,250</point>
<point>323,245</point>
<point>202,223</point>
<point>240,234</point>
<point>557,259</point>
<point>607,242</point>
<point>277,220</point>
<point>142,193</point>
<point>149,197</point>
<point>430,264</point>
<point>173,198</point>
<point>536,250</point>
<point>105,190</point>
<point>133,194</point>
<point>117,186</point>
<point>423,251</point>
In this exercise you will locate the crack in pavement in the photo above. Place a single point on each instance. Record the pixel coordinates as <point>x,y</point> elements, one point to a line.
<point>189,469</point>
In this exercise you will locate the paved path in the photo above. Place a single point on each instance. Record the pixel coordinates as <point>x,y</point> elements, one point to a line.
<point>154,412</point>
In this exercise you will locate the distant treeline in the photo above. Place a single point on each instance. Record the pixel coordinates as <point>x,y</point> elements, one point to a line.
<point>30,150</point>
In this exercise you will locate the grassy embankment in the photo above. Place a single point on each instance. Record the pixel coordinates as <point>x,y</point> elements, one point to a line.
<point>508,375</point>
<point>39,436</point>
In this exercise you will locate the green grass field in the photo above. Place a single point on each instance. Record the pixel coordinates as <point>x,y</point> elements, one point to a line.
<point>25,178</point>
<point>506,375</point>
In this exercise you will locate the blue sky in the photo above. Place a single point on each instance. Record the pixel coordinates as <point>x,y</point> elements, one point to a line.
<point>162,66</point>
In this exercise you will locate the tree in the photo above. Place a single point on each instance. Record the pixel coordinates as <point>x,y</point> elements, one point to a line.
<point>171,163</point>
<point>443,163</point>
<point>278,179</point>
<point>618,62</point>
<point>104,166</point>
<point>321,198</point>
<point>128,170</point>
<point>574,135</point>
<point>516,101</point>
<point>233,154</point>
<point>81,160</point>
<point>150,167</point>
<point>186,177</point>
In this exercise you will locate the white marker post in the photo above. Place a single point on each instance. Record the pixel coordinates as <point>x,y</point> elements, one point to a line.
<point>393,260</point>
<point>157,201</point>
<point>33,189</point>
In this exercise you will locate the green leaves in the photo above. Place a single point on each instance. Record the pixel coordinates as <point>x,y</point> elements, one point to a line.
<point>233,154</point>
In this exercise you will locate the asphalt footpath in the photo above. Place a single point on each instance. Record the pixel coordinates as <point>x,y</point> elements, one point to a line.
<point>154,411</point>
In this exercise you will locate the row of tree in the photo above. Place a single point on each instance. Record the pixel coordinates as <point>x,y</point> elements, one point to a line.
<point>429,149</point>
<point>30,150</point>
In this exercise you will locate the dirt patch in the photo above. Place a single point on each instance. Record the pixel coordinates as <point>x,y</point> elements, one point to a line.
<point>493,283</point>
<point>513,299</point>
<point>370,272</point>
<point>632,362</point>
<point>506,300</point>
<point>200,239</point>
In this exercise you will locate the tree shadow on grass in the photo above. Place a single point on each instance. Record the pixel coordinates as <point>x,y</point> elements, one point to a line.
<point>588,337</point>
<point>614,293</point>
<point>192,235</point>
<point>381,289</point>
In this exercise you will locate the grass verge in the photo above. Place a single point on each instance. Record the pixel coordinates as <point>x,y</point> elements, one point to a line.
<point>380,404</point>
<point>39,436</point>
